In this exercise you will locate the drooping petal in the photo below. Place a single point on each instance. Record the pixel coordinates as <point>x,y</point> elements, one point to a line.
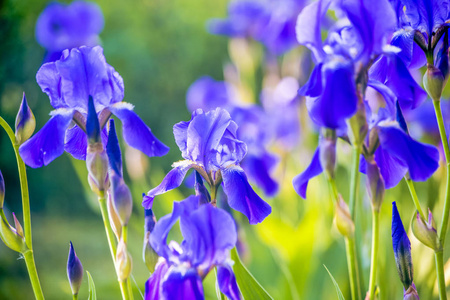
<point>227,282</point>
<point>171,181</point>
<point>391,168</point>
<point>153,286</point>
<point>411,54</point>
<point>258,168</point>
<point>181,284</point>
<point>242,197</point>
<point>309,25</point>
<point>48,143</point>
<point>209,233</point>
<point>300,181</point>
<point>338,99</point>
<point>313,88</point>
<point>136,133</point>
<point>76,142</point>
<point>421,159</point>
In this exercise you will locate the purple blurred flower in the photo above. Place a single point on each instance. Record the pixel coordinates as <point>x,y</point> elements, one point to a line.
<point>270,22</point>
<point>62,26</point>
<point>69,82</point>
<point>209,144</point>
<point>209,235</point>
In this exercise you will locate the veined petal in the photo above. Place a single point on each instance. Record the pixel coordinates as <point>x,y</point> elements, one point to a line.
<point>172,180</point>
<point>426,15</point>
<point>242,197</point>
<point>300,181</point>
<point>136,133</point>
<point>153,286</point>
<point>421,159</point>
<point>180,284</point>
<point>48,143</point>
<point>391,168</point>
<point>227,282</point>
<point>76,142</point>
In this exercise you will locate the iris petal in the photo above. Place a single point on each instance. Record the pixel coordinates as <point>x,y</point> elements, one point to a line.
<point>227,282</point>
<point>300,181</point>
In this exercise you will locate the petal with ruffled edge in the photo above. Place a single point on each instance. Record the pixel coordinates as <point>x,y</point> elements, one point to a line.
<point>421,159</point>
<point>181,284</point>
<point>209,234</point>
<point>309,25</point>
<point>258,169</point>
<point>171,181</point>
<point>227,282</point>
<point>153,286</point>
<point>300,181</point>
<point>48,143</point>
<point>425,15</point>
<point>242,197</point>
<point>136,133</point>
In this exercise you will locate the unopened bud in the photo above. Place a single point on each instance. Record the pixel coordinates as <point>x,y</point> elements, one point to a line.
<point>97,166</point>
<point>375,184</point>
<point>358,125</point>
<point>25,122</point>
<point>116,226</point>
<point>2,191</point>
<point>411,293</point>
<point>92,123</point>
<point>121,198</point>
<point>123,261</point>
<point>74,270</point>
<point>434,82</point>
<point>343,219</point>
<point>149,255</point>
<point>327,152</point>
<point>426,232</point>
<point>201,190</point>
<point>402,249</point>
<point>12,237</point>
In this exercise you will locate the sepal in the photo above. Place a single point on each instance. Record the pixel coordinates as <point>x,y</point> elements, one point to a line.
<point>12,237</point>
<point>343,219</point>
<point>426,232</point>
<point>25,122</point>
<point>123,261</point>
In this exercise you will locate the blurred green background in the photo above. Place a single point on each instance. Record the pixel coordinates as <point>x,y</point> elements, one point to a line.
<point>160,47</point>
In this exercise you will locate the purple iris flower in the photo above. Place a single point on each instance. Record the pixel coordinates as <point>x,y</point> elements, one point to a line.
<point>62,26</point>
<point>207,94</point>
<point>69,82</point>
<point>359,35</point>
<point>270,22</point>
<point>209,144</point>
<point>209,235</point>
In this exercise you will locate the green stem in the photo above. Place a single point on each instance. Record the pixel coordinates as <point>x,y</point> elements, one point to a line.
<point>32,272</point>
<point>108,229</point>
<point>354,180</point>
<point>125,233</point>
<point>373,260</point>
<point>415,199</point>
<point>353,268</point>
<point>439,258</point>
<point>124,290</point>
<point>75,297</point>
<point>446,210</point>
<point>29,258</point>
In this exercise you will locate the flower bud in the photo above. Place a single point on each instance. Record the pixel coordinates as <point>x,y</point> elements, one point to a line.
<point>327,152</point>
<point>434,82</point>
<point>2,191</point>
<point>121,198</point>
<point>358,125</point>
<point>123,261</point>
<point>200,189</point>
<point>74,271</point>
<point>113,150</point>
<point>402,249</point>
<point>343,219</point>
<point>426,232</point>
<point>97,166</point>
<point>92,123</point>
<point>149,255</point>
<point>411,293</point>
<point>114,220</point>
<point>375,184</point>
<point>25,122</point>
<point>12,237</point>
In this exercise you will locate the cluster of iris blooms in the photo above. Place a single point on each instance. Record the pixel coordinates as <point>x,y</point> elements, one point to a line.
<point>359,90</point>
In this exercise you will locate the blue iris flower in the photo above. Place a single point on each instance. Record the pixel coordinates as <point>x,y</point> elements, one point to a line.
<point>62,26</point>
<point>209,235</point>
<point>209,144</point>
<point>80,74</point>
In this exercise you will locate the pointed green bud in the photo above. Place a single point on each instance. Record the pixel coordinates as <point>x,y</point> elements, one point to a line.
<point>123,261</point>
<point>2,191</point>
<point>434,82</point>
<point>426,232</point>
<point>12,237</point>
<point>97,166</point>
<point>74,270</point>
<point>343,219</point>
<point>25,122</point>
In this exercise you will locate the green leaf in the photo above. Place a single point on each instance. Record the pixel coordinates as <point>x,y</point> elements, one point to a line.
<point>336,285</point>
<point>249,287</point>
<point>92,293</point>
